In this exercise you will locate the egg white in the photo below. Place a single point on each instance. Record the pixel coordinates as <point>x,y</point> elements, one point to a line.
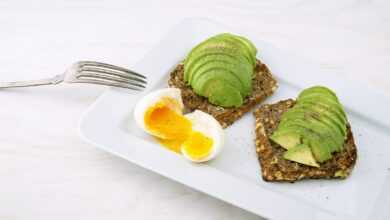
<point>209,126</point>
<point>152,99</point>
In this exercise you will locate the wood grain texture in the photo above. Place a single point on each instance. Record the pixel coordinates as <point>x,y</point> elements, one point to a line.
<point>47,172</point>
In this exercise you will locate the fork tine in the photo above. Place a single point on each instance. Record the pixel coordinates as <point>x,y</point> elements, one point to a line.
<point>108,83</point>
<point>109,66</point>
<point>107,78</point>
<point>110,72</point>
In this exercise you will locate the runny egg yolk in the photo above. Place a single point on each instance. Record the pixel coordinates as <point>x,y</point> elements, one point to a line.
<point>174,131</point>
<point>197,146</point>
<point>165,120</point>
<point>174,145</point>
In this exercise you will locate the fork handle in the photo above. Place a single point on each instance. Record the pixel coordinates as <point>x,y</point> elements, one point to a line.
<point>48,81</point>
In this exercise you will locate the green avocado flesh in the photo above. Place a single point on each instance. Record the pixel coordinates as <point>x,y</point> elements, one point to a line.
<point>317,122</point>
<point>217,46</point>
<point>243,40</point>
<point>333,106</point>
<point>301,153</point>
<point>320,150</point>
<point>248,43</point>
<point>328,114</point>
<point>224,63</point>
<point>318,89</point>
<point>221,54</point>
<point>221,93</point>
<point>216,74</point>
<point>321,130</point>
<point>244,48</point>
<point>226,68</point>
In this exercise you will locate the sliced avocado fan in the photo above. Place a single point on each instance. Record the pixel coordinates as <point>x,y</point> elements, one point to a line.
<point>220,67</point>
<point>317,122</point>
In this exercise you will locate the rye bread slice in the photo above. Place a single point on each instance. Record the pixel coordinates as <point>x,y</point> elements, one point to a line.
<point>275,168</point>
<point>263,85</point>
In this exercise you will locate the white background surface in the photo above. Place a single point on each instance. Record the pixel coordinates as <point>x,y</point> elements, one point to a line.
<point>47,172</point>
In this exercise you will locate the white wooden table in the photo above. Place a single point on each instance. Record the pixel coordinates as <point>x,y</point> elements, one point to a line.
<point>48,172</point>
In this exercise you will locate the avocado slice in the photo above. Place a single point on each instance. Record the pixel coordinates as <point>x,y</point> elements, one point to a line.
<point>203,43</point>
<point>328,112</point>
<point>221,93</point>
<point>233,41</point>
<point>215,74</point>
<point>317,89</point>
<point>217,44</point>
<point>244,41</point>
<point>223,42</point>
<point>248,43</point>
<point>301,154</point>
<point>207,56</point>
<point>201,56</point>
<point>241,73</point>
<point>286,138</point>
<point>320,95</point>
<point>320,152</point>
<point>193,52</point>
<point>318,113</point>
<point>333,104</point>
<point>334,108</point>
<point>330,120</point>
<point>236,70</point>
<point>307,117</point>
<point>326,135</point>
<point>311,116</point>
<point>242,44</point>
<point>318,144</point>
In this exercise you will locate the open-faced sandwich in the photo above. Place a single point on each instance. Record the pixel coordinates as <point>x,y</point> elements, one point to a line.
<point>219,81</point>
<point>306,138</point>
<point>221,76</point>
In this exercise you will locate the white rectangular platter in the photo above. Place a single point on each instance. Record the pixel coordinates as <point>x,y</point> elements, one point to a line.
<point>234,176</point>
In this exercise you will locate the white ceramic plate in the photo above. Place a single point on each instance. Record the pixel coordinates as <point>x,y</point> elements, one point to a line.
<point>234,176</point>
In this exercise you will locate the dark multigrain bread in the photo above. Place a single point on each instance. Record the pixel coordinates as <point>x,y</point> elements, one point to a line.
<point>275,168</point>
<point>263,85</point>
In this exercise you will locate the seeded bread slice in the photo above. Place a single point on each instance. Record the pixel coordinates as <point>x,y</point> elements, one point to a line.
<point>275,168</point>
<point>263,85</point>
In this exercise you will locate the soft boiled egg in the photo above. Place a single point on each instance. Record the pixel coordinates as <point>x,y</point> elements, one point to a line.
<point>197,135</point>
<point>206,139</point>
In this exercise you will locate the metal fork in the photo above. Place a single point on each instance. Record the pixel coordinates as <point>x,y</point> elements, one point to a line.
<point>89,72</point>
